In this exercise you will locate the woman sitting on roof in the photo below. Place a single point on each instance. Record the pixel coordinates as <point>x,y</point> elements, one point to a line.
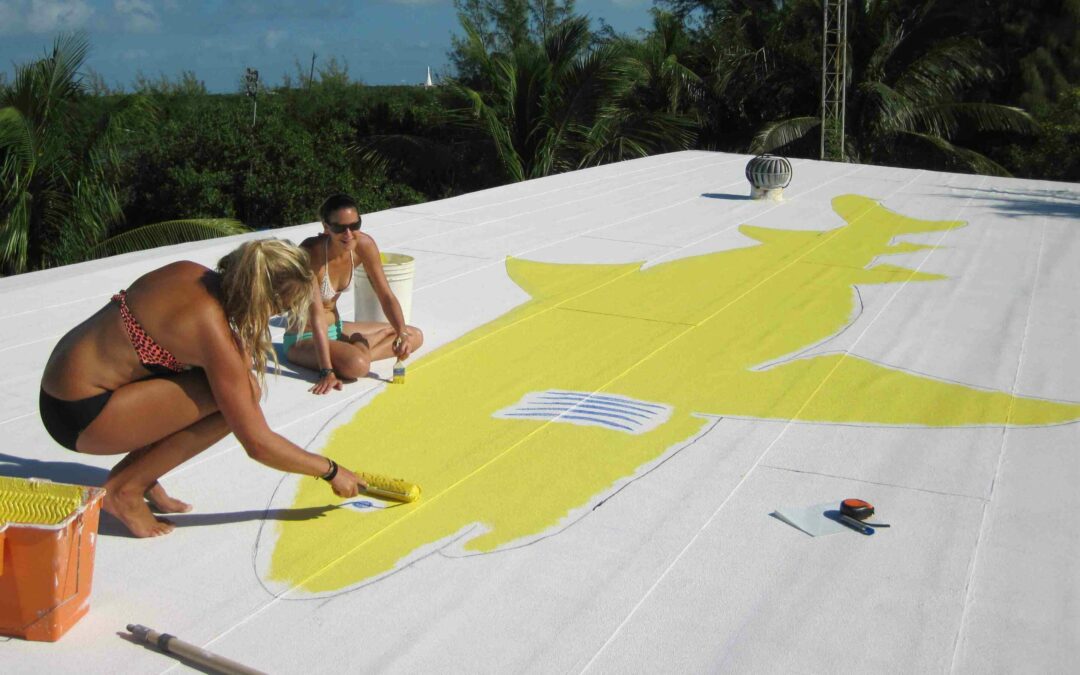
<point>339,348</point>
<point>163,372</point>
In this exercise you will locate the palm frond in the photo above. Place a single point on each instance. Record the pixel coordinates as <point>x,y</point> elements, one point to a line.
<point>482,116</point>
<point>887,108</point>
<point>886,48</point>
<point>600,77</point>
<point>475,47</point>
<point>681,81</point>
<point>566,42</point>
<point>15,233</point>
<point>622,133</point>
<point>61,69</point>
<point>132,114</point>
<point>500,134</point>
<point>948,119</point>
<point>778,134</point>
<point>398,151</point>
<point>946,70</point>
<point>977,162</point>
<point>165,234</point>
<point>17,136</point>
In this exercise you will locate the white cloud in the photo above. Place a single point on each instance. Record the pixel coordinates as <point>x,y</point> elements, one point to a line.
<point>279,9</point>
<point>139,16</point>
<point>43,16</point>
<point>273,38</point>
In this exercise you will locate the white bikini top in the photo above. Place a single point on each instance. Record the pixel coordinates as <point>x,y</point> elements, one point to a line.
<point>327,289</point>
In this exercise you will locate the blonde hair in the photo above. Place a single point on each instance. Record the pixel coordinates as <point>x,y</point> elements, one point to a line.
<point>260,279</point>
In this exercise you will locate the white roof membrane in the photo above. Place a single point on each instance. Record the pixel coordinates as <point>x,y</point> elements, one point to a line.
<point>620,382</point>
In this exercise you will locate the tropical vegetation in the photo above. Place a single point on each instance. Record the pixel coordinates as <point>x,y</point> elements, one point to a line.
<point>59,196</point>
<point>536,88</point>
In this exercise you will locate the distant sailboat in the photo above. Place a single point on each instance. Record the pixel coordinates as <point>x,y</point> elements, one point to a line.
<point>429,83</point>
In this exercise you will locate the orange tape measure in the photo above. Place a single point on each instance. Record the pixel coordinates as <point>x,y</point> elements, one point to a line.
<point>856,508</point>
<point>854,512</point>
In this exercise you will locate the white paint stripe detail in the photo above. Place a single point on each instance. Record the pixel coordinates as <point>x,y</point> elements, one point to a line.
<point>610,411</point>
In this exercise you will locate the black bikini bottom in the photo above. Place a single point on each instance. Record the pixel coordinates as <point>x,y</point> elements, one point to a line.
<point>65,420</point>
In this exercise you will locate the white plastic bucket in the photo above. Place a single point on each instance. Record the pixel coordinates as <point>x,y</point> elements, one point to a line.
<point>399,270</point>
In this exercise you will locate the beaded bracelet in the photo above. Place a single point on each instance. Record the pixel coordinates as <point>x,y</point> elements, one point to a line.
<point>323,372</point>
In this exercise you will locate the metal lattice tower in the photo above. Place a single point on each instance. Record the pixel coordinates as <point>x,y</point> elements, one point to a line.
<point>833,78</point>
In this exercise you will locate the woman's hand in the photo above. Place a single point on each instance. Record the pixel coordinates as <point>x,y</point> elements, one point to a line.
<point>326,383</point>
<point>346,483</point>
<point>402,348</point>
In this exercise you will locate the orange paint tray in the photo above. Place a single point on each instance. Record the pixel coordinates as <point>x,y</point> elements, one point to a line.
<point>47,536</point>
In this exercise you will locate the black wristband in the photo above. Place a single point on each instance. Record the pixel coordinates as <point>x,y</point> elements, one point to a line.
<point>323,372</point>
<point>329,475</point>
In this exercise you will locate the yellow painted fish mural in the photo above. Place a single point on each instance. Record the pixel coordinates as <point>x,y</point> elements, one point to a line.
<point>604,370</point>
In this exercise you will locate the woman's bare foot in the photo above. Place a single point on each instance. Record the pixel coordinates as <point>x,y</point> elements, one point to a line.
<point>133,512</point>
<point>161,502</point>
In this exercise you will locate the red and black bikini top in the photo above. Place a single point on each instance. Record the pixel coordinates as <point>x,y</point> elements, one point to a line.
<point>152,356</point>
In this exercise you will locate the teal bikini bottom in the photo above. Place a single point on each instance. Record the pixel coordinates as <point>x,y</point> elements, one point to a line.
<point>333,332</point>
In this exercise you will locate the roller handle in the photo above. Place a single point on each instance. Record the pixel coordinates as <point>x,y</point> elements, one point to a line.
<point>170,644</point>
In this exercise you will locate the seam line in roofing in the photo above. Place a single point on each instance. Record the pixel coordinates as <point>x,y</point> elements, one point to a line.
<point>203,458</point>
<point>430,500</point>
<point>436,497</point>
<point>20,281</point>
<point>572,186</point>
<point>625,316</point>
<point>757,463</point>
<point>410,247</point>
<point>859,169</point>
<point>984,524</point>
<point>943,493</point>
<point>613,280</point>
<point>59,304</point>
<point>19,417</point>
<point>547,206</point>
<point>629,241</point>
<point>545,245</point>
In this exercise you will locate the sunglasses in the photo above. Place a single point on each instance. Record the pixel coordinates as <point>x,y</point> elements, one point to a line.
<point>340,228</point>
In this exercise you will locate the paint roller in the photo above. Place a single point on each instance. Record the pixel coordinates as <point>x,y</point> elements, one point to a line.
<point>390,488</point>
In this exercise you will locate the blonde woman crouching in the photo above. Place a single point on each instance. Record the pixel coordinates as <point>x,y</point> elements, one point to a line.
<point>163,372</point>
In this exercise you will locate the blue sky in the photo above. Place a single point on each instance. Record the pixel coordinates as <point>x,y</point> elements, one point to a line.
<point>382,41</point>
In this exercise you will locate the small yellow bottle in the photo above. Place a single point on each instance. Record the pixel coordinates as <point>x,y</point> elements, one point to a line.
<point>399,372</point>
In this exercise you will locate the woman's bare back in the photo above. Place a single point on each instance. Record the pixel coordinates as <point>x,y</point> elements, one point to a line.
<point>169,303</point>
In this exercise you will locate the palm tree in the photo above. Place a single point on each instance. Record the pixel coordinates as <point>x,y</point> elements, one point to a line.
<point>669,83</point>
<point>59,201</point>
<point>907,98</point>
<point>565,103</point>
